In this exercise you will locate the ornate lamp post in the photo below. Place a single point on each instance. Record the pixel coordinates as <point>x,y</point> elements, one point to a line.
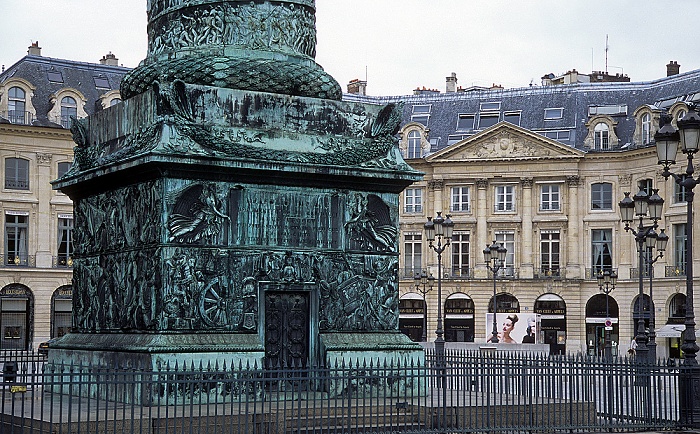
<point>439,229</point>
<point>606,282</point>
<point>661,242</point>
<point>642,206</point>
<point>667,141</point>
<point>495,257</point>
<point>424,284</point>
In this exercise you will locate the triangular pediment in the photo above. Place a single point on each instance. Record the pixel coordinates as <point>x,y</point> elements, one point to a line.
<point>506,141</point>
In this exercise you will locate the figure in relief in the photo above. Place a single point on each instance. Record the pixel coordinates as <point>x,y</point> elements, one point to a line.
<point>370,224</point>
<point>197,216</point>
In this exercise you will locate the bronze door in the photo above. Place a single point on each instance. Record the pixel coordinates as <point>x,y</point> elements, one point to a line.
<point>287,329</point>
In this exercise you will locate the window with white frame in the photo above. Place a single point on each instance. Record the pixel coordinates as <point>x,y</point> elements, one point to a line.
<point>601,249</point>
<point>413,200</point>
<point>549,252</point>
<point>414,147</point>
<point>412,254</point>
<point>646,128</point>
<point>680,193</point>
<point>512,117</point>
<point>680,236</point>
<point>550,199</point>
<point>601,137</point>
<point>460,254</point>
<point>16,241</point>
<point>460,199</point>
<point>507,238</point>
<point>65,241</point>
<point>646,185</point>
<point>17,105</point>
<point>505,198</point>
<point>553,113</point>
<point>465,122</point>
<point>488,120</point>
<point>601,196</point>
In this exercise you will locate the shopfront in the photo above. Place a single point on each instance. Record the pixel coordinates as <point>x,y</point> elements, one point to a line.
<point>552,310</point>
<point>595,324</point>
<point>459,318</point>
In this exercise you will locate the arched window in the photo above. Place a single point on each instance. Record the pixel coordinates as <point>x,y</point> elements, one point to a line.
<point>459,318</point>
<point>69,107</point>
<point>676,308</point>
<point>507,303</point>
<point>681,114</point>
<point>646,128</point>
<point>601,136</point>
<point>114,101</point>
<point>17,105</point>
<point>414,147</point>
<point>412,318</point>
<point>16,305</point>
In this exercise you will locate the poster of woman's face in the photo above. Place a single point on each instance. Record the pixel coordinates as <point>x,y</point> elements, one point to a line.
<point>514,328</point>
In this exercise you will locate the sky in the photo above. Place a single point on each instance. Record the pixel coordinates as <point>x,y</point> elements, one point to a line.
<point>400,45</point>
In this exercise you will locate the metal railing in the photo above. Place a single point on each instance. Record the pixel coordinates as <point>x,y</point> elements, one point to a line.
<point>62,261</point>
<point>18,260</point>
<point>592,273</point>
<point>18,117</point>
<point>674,271</point>
<point>462,392</point>
<point>550,273</point>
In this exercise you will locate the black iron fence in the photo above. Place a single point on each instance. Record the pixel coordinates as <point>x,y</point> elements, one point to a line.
<point>464,392</point>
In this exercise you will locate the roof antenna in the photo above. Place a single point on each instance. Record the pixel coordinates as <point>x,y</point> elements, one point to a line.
<point>607,47</point>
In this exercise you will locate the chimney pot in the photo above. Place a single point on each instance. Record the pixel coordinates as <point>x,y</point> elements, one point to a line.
<point>451,83</point>
<point>34,49</point>
<point>673,68</point>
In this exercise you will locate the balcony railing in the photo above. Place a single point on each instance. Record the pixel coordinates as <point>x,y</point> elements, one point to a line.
<point>62,261</point>
<point>592,273</point>
<point>458,273</point>
<point>673,271</point>
<point>410,273</point>
<point>550,273</point>
<point>18,117</point>
<point>634,273</point>
<point>19,260</point>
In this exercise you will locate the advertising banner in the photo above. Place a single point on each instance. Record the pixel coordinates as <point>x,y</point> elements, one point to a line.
<point>515,328</point>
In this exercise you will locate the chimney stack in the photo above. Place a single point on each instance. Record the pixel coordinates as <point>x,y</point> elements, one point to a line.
<point>357,87</point>
<point>451,83</point>
<point>109,59</point>
<point>673,68</point>
<point>34,49</point>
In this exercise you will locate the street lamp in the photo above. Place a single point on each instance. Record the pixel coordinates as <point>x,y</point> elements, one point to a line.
<point>606,282</point>
<point>642,206</point>
<point>667,141</point>
<point>424,284</point>
<point>436,230</point>
<point>495,257</point>
<point>661,242</point>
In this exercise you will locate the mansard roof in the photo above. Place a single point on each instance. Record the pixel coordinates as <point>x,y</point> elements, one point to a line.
<point>577,101</point>
<point>49,75</point>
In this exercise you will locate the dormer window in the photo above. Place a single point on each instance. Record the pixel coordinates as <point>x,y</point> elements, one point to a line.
<point>414,144</point>
<point>646,128</point>
<point>69,107</point>
<point>16,109</point>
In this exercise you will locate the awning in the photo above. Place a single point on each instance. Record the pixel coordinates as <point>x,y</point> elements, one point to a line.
<point>670,331</point>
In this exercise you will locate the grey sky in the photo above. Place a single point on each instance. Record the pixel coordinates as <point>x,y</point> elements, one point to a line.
<point>404,44</point>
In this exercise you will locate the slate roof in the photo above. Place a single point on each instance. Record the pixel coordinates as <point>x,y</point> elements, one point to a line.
<point>575,99</point>
<point>77,75</point>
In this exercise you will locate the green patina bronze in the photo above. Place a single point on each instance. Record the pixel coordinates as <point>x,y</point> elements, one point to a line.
<point>217,219</point>
<point>266,46</point>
